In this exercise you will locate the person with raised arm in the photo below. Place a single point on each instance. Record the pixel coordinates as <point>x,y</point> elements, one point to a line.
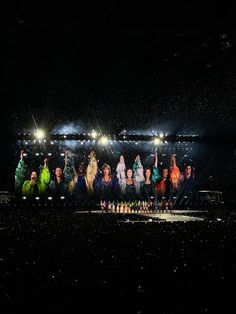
<point>138,173</point>
<point>37,184</point>
<point>20,174</point>
<point>174,177</point>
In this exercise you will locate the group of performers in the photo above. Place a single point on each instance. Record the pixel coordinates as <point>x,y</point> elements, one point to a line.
<point>127,183</point>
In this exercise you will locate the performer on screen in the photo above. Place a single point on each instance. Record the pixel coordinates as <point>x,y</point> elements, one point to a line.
<point>128,188</point>
<point>61,178</point>
<point>138,173</point>
<point>107,186</point>
<point>162,186</point>
<point>120,170</point>
<point>186,193</point>
<point>174,177</point>
<point>37,185</point>
<point>77,186</point>
<point>147,186</point>
<point>75,177</point>
<point>91,171</point>
<point>58,185</point>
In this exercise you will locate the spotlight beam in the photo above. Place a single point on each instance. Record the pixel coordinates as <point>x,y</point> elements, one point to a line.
<point>39,134</point>
<point>103,140</point>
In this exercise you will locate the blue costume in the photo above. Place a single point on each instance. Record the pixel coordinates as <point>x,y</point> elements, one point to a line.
<point>107,190</point>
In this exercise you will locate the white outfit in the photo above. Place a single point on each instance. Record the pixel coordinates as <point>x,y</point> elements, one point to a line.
<point>120,172</point>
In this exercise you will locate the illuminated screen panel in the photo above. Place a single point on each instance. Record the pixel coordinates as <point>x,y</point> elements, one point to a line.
<point>107,171</point>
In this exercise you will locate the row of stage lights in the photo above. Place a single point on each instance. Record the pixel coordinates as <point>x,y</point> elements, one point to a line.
<point>163,154</point>
<point>37,198</point>
<point>40,134</point>
<point>103,140</point>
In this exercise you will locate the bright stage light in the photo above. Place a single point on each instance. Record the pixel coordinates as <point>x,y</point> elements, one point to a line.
<point>104,140</point>
<point>39,134</point>
<point>157,141</point>
<point>94,134</point>
<point>161,135</point>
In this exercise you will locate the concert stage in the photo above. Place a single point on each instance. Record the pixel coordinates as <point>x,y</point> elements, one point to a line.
<point>174,216</point>
<point>149,217</point>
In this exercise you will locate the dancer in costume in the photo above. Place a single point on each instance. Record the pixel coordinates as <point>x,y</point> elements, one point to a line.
<point>120,170</point>
<point>128,188</point>
<point>77,186</point>
<point>187,190</point>
<point>174,177</point>
<point>147,186</point>
<point>91,171</point>
<point>138,173</point>
<point>162,186</point>
<point>37,185</point>
<point>107,186</point>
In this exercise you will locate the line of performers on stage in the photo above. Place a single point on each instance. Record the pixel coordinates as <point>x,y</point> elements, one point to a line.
<point>128,184</point>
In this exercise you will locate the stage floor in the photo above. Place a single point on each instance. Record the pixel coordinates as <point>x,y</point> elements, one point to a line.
<point>175,215</point>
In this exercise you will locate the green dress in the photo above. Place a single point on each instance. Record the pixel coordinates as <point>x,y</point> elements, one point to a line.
<point>28,188</point>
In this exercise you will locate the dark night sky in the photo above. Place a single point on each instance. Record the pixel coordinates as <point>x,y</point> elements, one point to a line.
<point>103,58</point>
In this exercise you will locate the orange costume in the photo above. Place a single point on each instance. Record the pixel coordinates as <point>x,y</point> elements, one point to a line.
<point>175,177</point>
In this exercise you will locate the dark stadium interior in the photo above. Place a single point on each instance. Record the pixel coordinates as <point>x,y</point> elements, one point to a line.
<point>124,69</point>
